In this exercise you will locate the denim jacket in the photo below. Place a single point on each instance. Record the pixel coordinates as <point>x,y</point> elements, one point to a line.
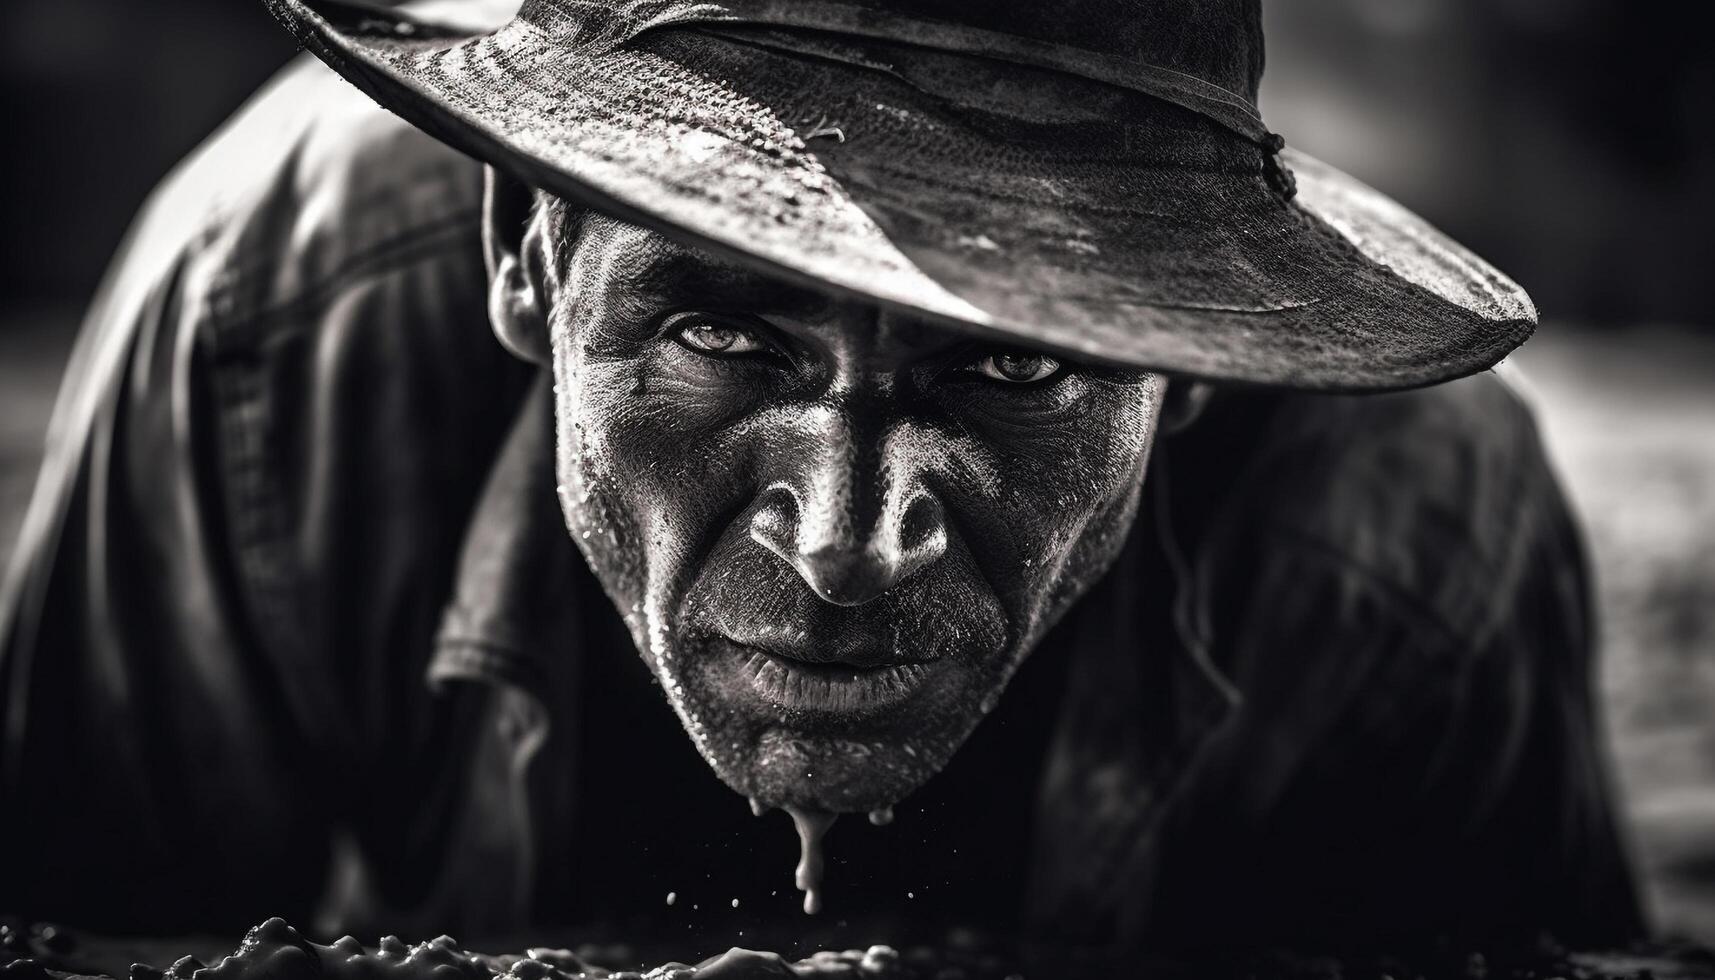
<point>293,595</point>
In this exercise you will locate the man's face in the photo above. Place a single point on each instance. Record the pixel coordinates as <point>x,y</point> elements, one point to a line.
<point>834,533</point>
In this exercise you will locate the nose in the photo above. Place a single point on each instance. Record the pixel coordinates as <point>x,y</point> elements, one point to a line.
<point>853,523</point>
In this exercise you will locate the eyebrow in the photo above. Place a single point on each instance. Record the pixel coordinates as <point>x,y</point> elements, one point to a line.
<point>690,277</point>
<point>671,275</point>
<point>700,280</point>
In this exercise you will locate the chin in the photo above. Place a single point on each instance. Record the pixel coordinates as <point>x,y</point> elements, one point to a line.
<point>830,773</point>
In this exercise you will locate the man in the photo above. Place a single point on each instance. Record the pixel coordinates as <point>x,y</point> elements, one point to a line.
<point>841,339</point>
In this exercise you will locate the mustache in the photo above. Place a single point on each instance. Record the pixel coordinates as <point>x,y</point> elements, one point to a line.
<point>747,594</point>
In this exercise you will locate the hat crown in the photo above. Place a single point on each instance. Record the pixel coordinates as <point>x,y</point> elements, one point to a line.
<point>1217,41</point>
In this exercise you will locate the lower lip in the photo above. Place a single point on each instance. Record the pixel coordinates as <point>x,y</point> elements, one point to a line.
<point>831,689</point>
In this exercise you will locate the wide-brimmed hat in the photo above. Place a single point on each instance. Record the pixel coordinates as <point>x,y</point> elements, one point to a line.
<point>1091,177</point>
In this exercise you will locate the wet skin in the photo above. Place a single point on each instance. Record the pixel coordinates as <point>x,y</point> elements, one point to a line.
<point>833,532</point>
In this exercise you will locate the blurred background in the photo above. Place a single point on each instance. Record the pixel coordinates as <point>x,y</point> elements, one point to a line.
<point>1571,142</point>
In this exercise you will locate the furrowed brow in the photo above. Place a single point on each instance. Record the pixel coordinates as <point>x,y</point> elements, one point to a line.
<point>694,279</point>
<point>640,269</point>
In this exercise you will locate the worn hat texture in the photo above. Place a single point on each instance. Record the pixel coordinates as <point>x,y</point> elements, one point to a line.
<point>1090,177</point>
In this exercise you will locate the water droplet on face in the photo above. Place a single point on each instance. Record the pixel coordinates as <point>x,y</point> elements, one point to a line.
<point>757,808</point>
<point>672,897</point>
<point>881,817</point>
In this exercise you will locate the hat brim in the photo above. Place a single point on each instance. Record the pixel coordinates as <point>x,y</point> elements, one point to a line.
<point>1111,230</point>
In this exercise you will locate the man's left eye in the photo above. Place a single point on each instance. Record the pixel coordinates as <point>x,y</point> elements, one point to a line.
<point>711,336</point>
<point>1016,367</point>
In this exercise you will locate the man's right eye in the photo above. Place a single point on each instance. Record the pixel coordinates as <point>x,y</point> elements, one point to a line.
<point>716,336</point>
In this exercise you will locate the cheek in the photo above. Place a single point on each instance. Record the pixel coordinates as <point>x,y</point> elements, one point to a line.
<point>598,514</point>
<point>647,480</point>
<point>1072,484</point>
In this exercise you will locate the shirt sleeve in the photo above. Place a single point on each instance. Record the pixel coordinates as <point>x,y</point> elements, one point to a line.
<point>139,730</point>
<point>213,634</point>
<point>1417,751</point>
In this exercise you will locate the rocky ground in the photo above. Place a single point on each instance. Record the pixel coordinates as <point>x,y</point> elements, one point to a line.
<point>276,951</point>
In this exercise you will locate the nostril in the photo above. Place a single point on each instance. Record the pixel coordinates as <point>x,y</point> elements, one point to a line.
<point>847,578</point>
<point>772,525</point>
<point>771,530</point>
<point>922,535</point>
<point>843,567</point>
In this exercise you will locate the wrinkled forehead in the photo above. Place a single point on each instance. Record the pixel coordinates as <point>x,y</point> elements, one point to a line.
<point>609,258</point>
<point>616,267</point>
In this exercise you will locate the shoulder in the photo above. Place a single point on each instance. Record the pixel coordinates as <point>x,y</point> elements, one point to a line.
<point>310,184</point>
<point>300,313</point>
<point>1434,498</point>
<point>1460,452</point>
<point>307,191</point>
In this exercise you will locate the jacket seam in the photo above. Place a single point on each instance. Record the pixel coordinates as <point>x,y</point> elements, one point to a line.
<point>389,254</point>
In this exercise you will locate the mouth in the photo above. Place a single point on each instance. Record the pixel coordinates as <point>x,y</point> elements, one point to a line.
<point>836,688</point>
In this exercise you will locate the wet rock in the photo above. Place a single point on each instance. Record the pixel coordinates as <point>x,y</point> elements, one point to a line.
<point>23,970</point>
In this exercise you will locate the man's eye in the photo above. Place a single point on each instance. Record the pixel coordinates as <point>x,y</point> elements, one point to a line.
<point>710,336</point>
<point>1016,367</point>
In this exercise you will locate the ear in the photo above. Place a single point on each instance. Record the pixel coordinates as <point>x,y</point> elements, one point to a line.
<point>514,250</point>
<point>1184,403</point>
